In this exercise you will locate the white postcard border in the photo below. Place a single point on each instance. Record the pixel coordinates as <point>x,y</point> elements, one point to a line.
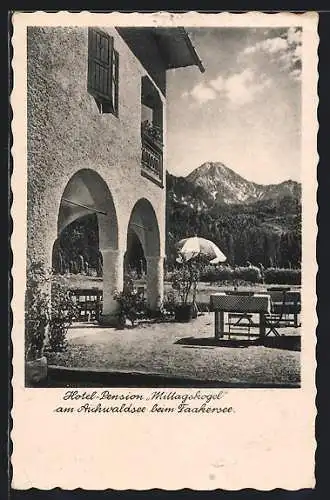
<point>267,443</point>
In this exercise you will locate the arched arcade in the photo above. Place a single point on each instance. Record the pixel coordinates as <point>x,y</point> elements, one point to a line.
<point>87,193</point>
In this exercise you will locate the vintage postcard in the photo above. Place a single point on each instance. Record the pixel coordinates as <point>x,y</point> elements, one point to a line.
<point>164,250</point>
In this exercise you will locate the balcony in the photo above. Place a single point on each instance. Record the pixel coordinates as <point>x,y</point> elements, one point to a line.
<point>152,153</point>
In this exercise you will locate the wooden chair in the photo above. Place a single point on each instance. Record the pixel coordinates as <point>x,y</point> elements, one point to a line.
<point>287,305</point>
<point>274,319</point>
<point>239,321</point>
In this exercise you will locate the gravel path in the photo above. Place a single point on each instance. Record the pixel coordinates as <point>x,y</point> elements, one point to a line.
<point>175,349</point>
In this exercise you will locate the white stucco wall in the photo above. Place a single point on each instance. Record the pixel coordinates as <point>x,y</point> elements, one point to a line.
<point>67,133</point>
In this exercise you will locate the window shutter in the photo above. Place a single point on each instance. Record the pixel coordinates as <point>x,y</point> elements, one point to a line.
<point>115,81</point>
<point>100,62</point>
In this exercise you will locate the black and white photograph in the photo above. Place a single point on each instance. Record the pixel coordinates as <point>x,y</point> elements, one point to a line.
<point>164,208</point>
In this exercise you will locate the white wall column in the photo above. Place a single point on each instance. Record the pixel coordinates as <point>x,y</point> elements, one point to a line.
<point>155,281</point>
<point>113,278</point>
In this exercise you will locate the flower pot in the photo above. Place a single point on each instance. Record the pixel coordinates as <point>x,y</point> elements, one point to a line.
<point>36,371</point>
<point>183,313</point>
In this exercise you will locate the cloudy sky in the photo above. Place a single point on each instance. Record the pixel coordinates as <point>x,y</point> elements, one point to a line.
<point>244,111</point>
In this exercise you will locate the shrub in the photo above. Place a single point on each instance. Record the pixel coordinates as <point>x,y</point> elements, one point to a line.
<point>185,279</point>
<point>227,274</point>
<point>132,304</point>
<point>182,282</point>
<point>216,273</point>
<point>63,311</point>
<point>36,311</point>
<point>251,274</point>
<point>241,275</point>
<point>282,276</point>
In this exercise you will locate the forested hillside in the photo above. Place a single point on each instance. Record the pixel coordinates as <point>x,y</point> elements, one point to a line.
<point>267,231</point>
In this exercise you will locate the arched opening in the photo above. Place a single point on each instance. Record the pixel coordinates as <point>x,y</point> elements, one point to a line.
<point>87,243</point>
<point>87,193</point>
<point>143,235</point>
<point>143,222</point>
<point>135,263</point>
<point>77,249</point>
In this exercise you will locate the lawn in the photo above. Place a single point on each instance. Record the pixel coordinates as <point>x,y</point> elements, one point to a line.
<point>181,350</point>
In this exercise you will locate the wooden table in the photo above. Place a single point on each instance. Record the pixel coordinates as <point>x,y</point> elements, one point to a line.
<point>256,304</point>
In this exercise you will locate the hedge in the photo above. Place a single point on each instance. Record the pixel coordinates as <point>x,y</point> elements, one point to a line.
<point>252,274</point>
<point>282,276</point>
<point>212,274</point>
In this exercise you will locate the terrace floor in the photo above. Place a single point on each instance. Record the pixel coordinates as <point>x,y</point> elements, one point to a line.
<point>184,350</point>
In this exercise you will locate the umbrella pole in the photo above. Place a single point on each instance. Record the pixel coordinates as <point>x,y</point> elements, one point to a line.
<point>195,287</point>
<point>195,307</point>
<point>190,281</point>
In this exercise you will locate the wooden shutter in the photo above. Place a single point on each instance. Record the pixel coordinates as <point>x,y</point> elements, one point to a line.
<point>100,64</point>
<point>115,81</point>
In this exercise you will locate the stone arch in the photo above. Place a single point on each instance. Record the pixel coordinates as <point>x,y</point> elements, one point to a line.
<point>86,193</point>
<point>143,222</point>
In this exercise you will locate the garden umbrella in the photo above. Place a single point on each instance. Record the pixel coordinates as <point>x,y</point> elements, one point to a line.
<point>188,248</point>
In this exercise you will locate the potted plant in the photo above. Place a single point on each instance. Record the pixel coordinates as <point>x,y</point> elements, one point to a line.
<point>185,279</point>
<point>132,303</point>
<point>184,282</point>
<point>152,131</point>
<point>36,322</point>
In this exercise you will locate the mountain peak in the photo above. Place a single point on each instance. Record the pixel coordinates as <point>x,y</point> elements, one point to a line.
<point>226,186</point>
<point>210,168</point>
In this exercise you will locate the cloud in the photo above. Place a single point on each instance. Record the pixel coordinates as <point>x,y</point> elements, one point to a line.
<point>286,49</point>
<point>238,88</point>
<point>218,84</point>
<point>271,45</point>
<point>202,93</point>
<point>294,36</point>
<point>243,87</point>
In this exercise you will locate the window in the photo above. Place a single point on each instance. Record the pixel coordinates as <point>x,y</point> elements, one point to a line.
<point>151,132</point>
<point>103,71</point>
<point>151,110</point>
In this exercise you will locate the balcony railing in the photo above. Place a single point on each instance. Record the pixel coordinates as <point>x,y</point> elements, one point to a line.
<point>152,157</point>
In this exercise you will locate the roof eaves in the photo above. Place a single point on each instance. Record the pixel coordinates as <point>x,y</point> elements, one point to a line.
<point>192,50</point>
